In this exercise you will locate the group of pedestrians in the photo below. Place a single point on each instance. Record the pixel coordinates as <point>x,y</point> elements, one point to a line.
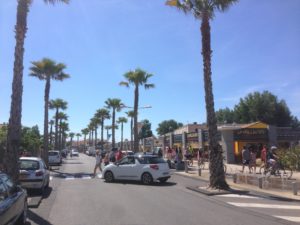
<point>113,156</point>
<point>268,158</point>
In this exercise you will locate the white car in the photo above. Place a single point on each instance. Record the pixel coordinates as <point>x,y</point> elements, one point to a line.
<point>74,152</point>
<point>144,168</point>
<point>34,173</point>
<point>54,157</point>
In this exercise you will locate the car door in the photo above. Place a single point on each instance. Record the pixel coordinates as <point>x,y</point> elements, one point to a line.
<point>5,211</point>
<point>126,168</point>
<point>13,197</point>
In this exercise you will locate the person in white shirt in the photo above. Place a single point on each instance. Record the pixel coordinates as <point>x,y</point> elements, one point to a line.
<point>98,162</point>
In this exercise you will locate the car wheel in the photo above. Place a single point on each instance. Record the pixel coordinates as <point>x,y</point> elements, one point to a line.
<point>23,217</point>
<point>147,178</point>
<point>163,180</point>
<point>109,177</point>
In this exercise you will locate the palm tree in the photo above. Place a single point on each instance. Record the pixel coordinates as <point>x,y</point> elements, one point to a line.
<point>14,127</point>
<point>107,128</point>
<point>47,70</point>
<point>64,128</point>
<point>61,118</point>
<point>78,135</point>
<point>85,132</point>
<point>57,104</point>
<point>137,78</point>
<point>71,135</point>
<point>130,114</point>
<point>121,121</point>
<point>204,10</point>
<point>102,114</point>
<point>94,124</point>
<point>116,105</point>
<point>51,122</point>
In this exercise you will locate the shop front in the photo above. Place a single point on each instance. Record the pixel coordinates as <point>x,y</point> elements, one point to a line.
<point>192,140</point>
<point>177,141</point>
<point>255,136</point>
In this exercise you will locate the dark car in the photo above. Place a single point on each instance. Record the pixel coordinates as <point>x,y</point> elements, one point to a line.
<point>13,202</point>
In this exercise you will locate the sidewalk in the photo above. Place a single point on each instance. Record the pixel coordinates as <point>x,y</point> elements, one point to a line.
<point>249,186</point>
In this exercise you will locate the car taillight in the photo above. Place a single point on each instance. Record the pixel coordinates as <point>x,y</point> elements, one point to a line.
<point>39,173</point>
<point>154,166</point>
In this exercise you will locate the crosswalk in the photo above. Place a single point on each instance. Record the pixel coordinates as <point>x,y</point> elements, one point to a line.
<point>69,177</point>
<point>285,210</point>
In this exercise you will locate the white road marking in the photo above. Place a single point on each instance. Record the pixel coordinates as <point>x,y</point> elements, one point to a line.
<point>238,196</point>
<point>86,177</point>
<point>69,178</point>
<point>51,177</point>
<point>289,218</point>
<point>258,205</point>
<point>99,175</point>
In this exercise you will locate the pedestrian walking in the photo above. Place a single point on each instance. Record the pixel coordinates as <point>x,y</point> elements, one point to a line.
<point>245,158</point>
<point>253,155</point>
<point>106,159</point>
<point>263,157</point>
<point>98,162</point>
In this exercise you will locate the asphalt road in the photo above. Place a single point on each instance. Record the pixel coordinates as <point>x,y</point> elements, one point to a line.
<point>77,199</point>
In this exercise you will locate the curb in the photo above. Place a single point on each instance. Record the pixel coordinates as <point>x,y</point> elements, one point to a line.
<point>248,190</point>
<point>207,192</point>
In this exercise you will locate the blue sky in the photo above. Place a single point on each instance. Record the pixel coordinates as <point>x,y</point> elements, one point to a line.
<point>256,47</point>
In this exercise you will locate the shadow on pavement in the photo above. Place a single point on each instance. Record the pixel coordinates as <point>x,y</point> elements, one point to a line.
<point>36,219</point>
<point>154,184</point>
<point>73,163</point>
<point>47,192</point>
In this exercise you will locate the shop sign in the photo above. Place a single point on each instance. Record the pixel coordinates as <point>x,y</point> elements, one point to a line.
<point>192,137</point>
<point>250,134</point>
<point>205,136</point>
<point>177,138</point>
<point>288,135</point>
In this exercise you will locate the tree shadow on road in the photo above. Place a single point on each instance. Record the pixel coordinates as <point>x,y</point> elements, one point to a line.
<point>154,184</point>
<point>36,219</point>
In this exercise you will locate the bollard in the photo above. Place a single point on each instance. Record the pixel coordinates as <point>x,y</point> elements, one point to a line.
<point>234,178</point>
<point>186,169</point>
<point>260,182</point>
<point>295,188</point>
<point>199,172</point>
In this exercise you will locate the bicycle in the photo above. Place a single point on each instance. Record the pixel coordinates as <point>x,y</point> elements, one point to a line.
<point>277,170</point>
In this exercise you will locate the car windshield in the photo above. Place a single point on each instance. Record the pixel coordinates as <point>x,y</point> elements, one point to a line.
<point>53,153</point>
<point>29,165</point>
<point>150,160</point>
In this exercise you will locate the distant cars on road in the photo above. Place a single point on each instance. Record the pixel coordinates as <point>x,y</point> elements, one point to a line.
<point>54,157</point>
<point>13,202</point>
<point>74,152</point>
<point>34,173</point>
<point>144,168</point>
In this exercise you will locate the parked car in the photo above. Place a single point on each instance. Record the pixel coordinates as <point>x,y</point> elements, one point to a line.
<point>54,157</point>
<point>144,168</point>
<point>13,202</point>
<point>34,173</point>
<point>127,152</point>
<point>74,152</point>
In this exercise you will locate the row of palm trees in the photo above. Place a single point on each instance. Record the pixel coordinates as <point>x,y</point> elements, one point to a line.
<point>201,9</point>
<point>136,78</point>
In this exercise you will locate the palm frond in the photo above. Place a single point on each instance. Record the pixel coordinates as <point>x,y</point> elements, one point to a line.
<point>148,86</point>
<point>124,83</point>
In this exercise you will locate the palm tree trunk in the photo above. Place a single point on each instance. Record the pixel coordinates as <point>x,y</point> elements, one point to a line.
<point>51,134</point>
<point>96,134</point>
<point>102,127</point>
<point>56,129</point>
<point>14,126</point>
<point>217,175</point>
<point>60,136</point>
<point>47,92</point>
<point>136,105</point>
<point>113,127</point>
<point>121,136</point>
<point>131,133</point>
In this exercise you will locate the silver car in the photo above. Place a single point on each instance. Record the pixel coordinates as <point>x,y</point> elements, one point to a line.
<point>34,173</point>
